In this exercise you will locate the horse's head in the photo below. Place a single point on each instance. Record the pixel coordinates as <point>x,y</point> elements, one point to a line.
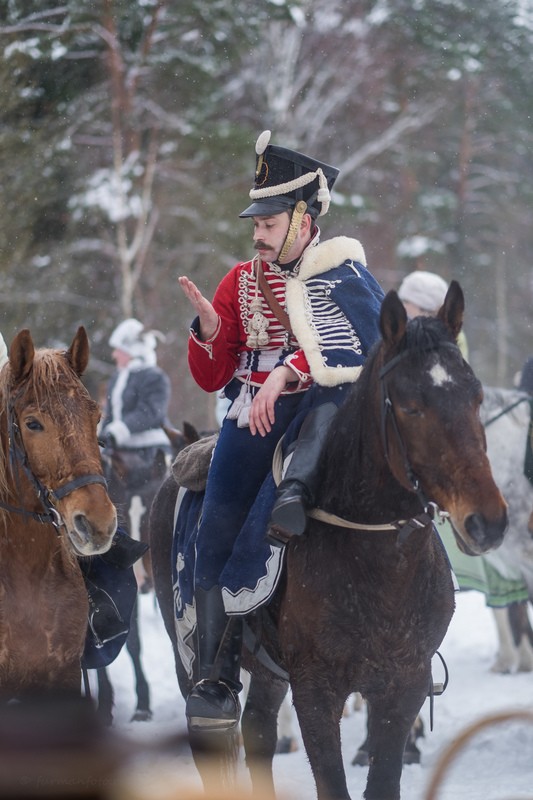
<point>49,433</point>
<point>432,433</point>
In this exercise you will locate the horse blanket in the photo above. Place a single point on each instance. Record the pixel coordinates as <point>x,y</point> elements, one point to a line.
<point>501,584</point>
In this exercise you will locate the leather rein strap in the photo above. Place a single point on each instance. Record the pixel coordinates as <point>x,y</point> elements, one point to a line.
<point>279,312</point>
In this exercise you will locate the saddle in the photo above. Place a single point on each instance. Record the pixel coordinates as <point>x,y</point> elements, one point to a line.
<point>191,465</point>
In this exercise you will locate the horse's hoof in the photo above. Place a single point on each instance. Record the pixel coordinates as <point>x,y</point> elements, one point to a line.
<point>142,715</point>
<point>360,759</point>
<point>286,745</point>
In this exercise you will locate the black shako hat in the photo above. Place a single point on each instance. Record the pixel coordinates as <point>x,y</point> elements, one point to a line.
<point>283,177</point>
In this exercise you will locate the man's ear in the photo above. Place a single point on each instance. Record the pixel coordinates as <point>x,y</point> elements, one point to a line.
<point>307,222</point>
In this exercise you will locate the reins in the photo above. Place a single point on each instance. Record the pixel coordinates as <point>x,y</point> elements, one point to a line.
<point>48,497</point>
<point>506,410</point>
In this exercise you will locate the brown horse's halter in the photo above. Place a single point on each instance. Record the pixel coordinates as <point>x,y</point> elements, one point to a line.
<point>48,497</point>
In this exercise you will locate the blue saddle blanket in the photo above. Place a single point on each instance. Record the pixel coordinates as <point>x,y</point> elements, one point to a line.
<point>249,577</point>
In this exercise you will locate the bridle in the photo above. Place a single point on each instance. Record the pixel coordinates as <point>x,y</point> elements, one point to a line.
<point>48,497</point>
<point>430,508</point>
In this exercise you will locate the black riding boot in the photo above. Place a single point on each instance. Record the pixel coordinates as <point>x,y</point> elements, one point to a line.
<point>297,489</point>
<point>124,550</point>
<point>213,704</point>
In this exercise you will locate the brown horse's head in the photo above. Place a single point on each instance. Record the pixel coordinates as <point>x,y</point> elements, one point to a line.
<point>48,426</point>
<point>433,430</point>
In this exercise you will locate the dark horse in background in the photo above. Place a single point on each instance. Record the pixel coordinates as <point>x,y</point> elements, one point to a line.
<point>132,487</point>
<point>54,508</point>
<point>366,595</point>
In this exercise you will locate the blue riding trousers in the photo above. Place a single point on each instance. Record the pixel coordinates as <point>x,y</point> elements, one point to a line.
<point>240,464</point>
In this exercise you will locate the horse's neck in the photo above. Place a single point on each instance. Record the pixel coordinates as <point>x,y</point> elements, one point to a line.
<point>35,545</point>
<point>366,491</point>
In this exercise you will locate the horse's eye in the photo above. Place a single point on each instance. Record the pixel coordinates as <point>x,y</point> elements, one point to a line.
<point>34,424</point>
<point>411,411</point>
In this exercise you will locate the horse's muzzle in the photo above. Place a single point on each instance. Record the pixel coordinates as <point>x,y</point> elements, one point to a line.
<point>484,534</point>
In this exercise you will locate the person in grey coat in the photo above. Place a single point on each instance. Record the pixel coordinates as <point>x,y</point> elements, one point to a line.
<point>138,393</point>
<point>136,408</point>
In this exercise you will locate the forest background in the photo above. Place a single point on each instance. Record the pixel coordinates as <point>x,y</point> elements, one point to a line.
<point>127,132</point>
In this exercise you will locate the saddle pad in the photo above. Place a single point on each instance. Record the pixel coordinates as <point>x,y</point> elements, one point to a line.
<point>247,580</point>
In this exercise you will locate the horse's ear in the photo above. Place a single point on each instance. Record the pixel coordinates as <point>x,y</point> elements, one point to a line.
<point>453,309</point>
<point>393,319</point>
<point>78,353</point>
<point>21,355</point>
<point>190,432</point>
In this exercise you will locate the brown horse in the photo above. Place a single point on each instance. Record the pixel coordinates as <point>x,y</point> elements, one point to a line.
<point>366,595</point>
<point>54,508</point>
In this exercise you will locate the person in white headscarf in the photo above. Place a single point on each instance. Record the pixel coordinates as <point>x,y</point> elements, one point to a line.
<point>422,294</point>
<point>138,393</point>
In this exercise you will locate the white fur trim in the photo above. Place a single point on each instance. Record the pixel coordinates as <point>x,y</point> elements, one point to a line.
<point>317,260</point>
<point>329,254</point>
<point>119,431</point>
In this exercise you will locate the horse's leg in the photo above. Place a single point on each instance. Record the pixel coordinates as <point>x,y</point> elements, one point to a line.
<point>522,635</point>
<point>215,756</point>
<point>259,729</point>
<point>506,657</point>
<point>133,646</point>
<point>411,753</point>
<point>286,738</point>
<point>319,712</point>
<point>106,698</point>
<point>390,719</point>
<point>138,516</point>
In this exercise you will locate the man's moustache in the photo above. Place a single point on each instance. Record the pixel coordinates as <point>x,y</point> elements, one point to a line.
<point>259,245</point>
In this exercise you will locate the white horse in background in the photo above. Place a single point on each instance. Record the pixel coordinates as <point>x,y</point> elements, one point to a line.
<point>505,575</point>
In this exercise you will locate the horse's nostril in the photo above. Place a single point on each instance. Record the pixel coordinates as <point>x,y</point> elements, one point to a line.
<point>83,529</point>
<point>483,532</point>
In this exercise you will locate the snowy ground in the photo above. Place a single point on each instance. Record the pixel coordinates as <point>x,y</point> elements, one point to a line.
<point>496,764</point>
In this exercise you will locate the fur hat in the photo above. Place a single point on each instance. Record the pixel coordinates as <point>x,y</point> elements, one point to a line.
<point>283,177</point>
<point>423,289</point>
<point>131,338</point>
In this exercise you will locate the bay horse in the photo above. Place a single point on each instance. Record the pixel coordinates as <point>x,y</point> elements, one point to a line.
<point>54,509</point>
<point>366,595</point>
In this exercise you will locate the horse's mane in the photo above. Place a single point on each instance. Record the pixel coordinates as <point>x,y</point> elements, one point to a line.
<point>49,380</point>
<point>345,454</point>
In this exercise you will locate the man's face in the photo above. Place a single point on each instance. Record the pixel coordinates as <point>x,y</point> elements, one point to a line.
<point>121,358</point>
<point>270,234</point>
